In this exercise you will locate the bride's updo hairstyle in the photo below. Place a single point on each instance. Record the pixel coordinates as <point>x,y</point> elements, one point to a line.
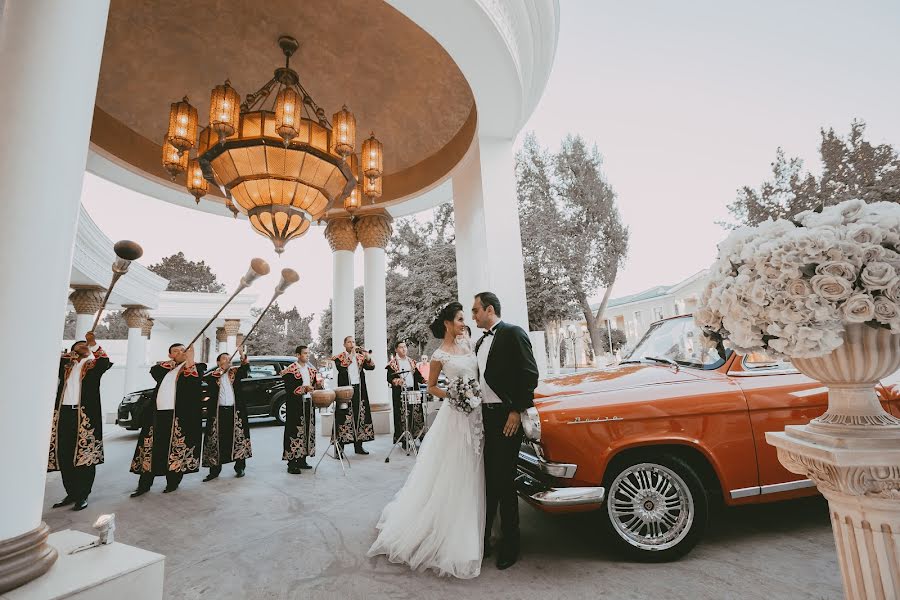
<point>448,313</point>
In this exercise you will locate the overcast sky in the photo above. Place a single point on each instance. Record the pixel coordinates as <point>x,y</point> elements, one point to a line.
<point>687,101</point>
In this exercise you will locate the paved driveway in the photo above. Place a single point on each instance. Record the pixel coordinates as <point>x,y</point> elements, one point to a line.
<point>275,536</point>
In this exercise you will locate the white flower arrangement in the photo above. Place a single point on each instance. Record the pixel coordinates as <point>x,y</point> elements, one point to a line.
<point>790,287</point>
<point>464,394</point>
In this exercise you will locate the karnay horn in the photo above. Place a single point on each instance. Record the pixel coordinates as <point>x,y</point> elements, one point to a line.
<point>288,278</point>
<point>258,268</point>
<point>126,251</point>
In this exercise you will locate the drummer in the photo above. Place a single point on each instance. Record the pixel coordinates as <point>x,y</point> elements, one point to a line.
<point>300,379</point>
<point>403,374</point>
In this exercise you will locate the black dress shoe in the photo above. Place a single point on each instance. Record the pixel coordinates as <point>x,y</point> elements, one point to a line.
<point>294,470</point>
<point>507,556</point>
<point>239,474</point>
<point>64,502</point>
<point>80,505</point>
<point>209,477</point>
<point>304,465</point>
<point>359,450</point>
<point>139,492</point>
<point>169,489</point>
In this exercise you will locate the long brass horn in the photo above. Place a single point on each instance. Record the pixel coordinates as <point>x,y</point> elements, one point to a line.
<point>288,278</point>
<point>126,251</point>
<point>258,268</point>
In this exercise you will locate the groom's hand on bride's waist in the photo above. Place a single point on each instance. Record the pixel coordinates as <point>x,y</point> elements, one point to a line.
<point>512,424</point>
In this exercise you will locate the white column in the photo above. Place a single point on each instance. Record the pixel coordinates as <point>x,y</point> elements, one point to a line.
<point>134,316</point>
<point>86,301</point>
<point>343,317</point>
<point>232,328</point>
<point>49,64</point>
<point>374,233</point>
<point>488,239</point>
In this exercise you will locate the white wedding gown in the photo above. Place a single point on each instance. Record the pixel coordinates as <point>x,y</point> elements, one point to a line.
<point>436,520</point>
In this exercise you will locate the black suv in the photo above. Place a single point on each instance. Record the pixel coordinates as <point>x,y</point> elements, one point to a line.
<point>263,391</point>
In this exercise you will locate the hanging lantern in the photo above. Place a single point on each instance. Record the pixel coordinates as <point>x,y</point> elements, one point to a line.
<point>288,114</point>
<point>344,131</point>
<point>372,187</point>
<point>354,200</point>
<point>174,161</point>
<point>182,132</point>
<point>279,223</point>
<point>224,110</point>
<point>196,183</point>
<point>372,157</point>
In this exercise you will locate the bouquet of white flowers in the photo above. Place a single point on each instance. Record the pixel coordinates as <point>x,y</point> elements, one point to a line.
<point>788,287</point>
<point>464,394</point>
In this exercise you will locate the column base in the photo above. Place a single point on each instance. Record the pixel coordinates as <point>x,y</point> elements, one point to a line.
<point>859,475</point>
<point>25,557</point>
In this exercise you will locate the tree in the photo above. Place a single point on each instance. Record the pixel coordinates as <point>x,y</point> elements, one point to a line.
<point>279,332</point>
<point>187,275</point>
<point>851,168</point>
<point>112,327</point>
<point>618,339</point>
<point>571,227</point>
<point>323,344</point>
<point>422,276</point>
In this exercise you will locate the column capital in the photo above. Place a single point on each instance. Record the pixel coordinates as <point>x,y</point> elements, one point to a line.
<point>147,327</point>
<point>340,234</point>
<point>232,327</point>
<point>135,316</point>
<point>374,230</point>
<point>220,335</point>
<point>87,299</point>
<point>240,339</point>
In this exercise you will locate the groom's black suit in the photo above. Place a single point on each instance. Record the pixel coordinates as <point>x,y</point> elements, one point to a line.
<point>511,372</point>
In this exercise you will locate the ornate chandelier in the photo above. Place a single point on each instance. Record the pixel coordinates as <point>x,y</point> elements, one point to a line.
<point>276,156</point>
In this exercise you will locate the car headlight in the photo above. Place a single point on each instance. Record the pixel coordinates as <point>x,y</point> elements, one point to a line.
<point>531,424</point>
<point>131,398</point>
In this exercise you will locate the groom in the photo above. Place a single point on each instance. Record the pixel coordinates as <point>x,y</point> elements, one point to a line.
<point>508,375</point>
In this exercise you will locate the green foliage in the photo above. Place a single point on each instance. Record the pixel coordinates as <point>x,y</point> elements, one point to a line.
<point>112,327</point>
<point>187,275</point>
<point>279,332</point>
<point>851,167</point>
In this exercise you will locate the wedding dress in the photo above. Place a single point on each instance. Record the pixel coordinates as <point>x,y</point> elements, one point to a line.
<point>436,520</point>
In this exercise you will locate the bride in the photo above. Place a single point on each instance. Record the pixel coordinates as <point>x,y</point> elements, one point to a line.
<point>436,520</point>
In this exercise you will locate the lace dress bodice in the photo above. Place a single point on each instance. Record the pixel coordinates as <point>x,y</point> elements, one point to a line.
<point>457,365</point>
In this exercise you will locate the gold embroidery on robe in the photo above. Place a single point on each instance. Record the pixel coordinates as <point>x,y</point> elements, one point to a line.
<point>181,456</point>
<point>52,462</point>
<point>211,445</point>
<point>88,449</point>
<point>143,456</point>
<point>240,448</point>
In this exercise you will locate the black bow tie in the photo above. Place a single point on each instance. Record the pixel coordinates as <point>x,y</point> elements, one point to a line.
<point>487,333</point>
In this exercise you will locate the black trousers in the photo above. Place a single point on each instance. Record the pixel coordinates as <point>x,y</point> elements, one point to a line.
<point>78,481</point>
<point>500,457</point>
<point>172,480</point>
<point>239,465</point>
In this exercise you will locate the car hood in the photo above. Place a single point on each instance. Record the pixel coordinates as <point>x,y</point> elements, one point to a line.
<point>612,379</point>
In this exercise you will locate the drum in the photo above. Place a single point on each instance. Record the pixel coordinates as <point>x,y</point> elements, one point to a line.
<point>413,397</point>
<point>344,395</point>
<point>322,398</point>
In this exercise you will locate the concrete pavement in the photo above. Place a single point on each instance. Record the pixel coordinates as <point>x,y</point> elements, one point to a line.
<point>276,536</point>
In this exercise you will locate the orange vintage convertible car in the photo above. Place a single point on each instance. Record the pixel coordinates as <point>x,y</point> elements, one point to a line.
<point>653,442</point>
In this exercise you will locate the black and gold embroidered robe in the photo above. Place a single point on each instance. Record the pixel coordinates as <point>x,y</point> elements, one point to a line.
<point>227,435</point>
<point>355,422</point>
<point>300,422</point>
<point>88,446</point>
<point>170,440</point>
<point>417,413</point>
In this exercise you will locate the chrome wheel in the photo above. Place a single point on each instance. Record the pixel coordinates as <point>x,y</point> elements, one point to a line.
<point>650,506</point>
<point>282,412</point>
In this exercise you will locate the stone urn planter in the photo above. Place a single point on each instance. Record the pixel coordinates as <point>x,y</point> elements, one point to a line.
<point>852,453</point>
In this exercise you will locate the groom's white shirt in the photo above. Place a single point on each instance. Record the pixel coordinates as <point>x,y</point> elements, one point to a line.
<point>488,396</point>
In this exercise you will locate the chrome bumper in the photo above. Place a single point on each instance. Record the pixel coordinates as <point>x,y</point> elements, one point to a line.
<point>536,491</point>
<point>553,469</point>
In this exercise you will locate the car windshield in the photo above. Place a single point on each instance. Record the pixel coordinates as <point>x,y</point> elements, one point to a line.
<point>675,341</point>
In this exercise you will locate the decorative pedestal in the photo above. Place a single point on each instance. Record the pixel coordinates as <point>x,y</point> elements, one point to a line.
<point>852,453</point>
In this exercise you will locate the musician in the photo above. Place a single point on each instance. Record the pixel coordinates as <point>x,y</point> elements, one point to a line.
<point>76,438</point>
<point>169,442</point>
<point>403,373</point>
<point>354,423</point>
<point>227,435</point>
<point>300,379</point>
